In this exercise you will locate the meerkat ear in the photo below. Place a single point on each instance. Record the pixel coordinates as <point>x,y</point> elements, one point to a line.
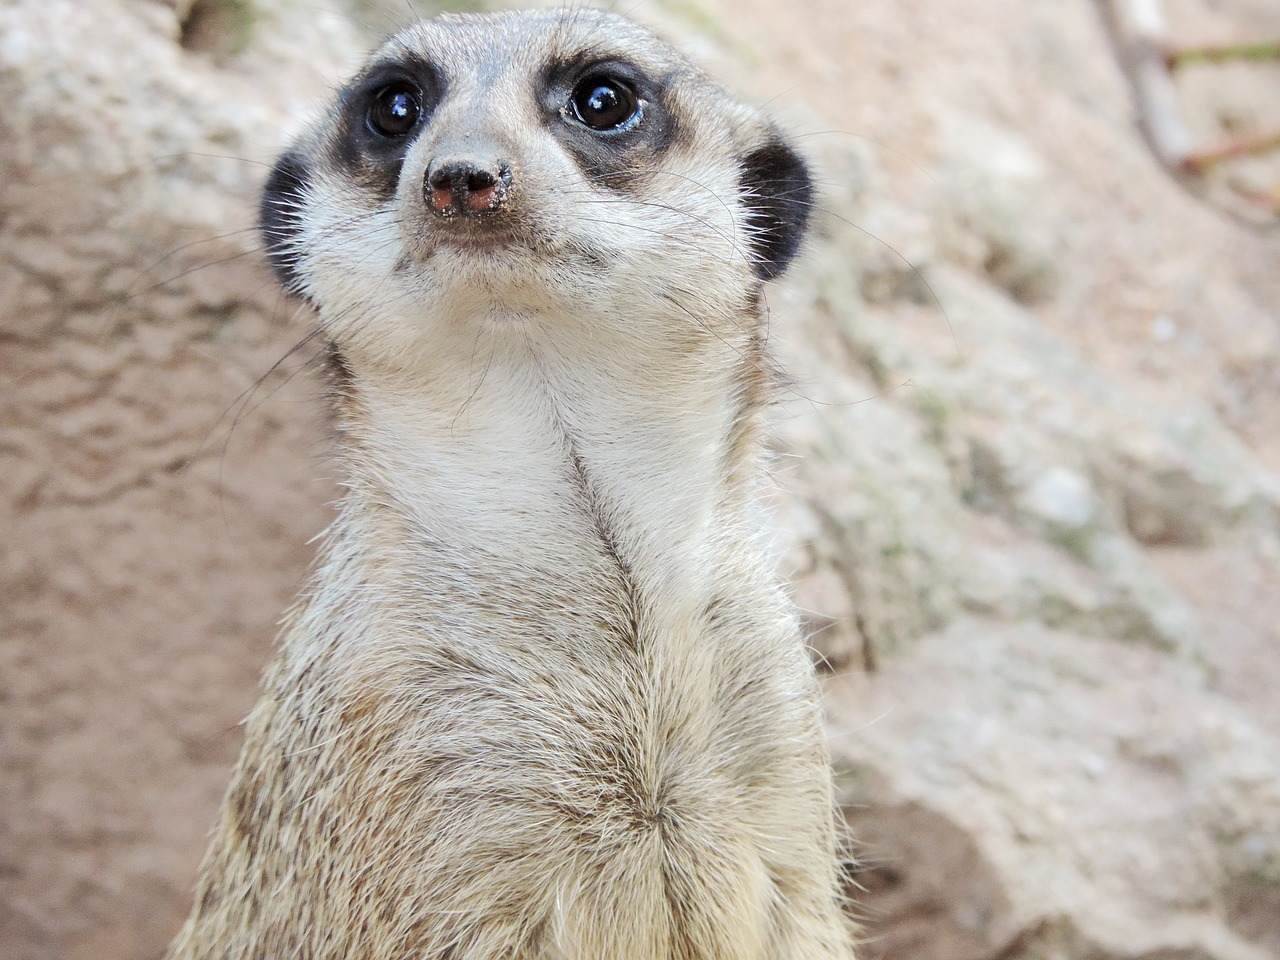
<point>280,217</point>
<point>778,193</point>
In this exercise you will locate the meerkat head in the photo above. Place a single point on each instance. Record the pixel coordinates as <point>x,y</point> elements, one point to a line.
<point>517,169</point>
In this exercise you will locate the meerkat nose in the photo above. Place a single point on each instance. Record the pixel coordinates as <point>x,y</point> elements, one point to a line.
<point>467,187</point>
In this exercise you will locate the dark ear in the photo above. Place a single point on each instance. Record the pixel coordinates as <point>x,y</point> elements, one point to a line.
<point>777,192</point>
<point>280,217</point>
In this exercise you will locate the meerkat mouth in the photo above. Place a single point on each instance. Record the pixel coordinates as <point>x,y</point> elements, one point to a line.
<point>498,239</point>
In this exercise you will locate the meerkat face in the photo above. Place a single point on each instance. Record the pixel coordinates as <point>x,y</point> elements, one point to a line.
<point>517,169</point>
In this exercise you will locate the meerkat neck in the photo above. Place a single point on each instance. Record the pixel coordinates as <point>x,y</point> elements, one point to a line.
<point>513,464</point>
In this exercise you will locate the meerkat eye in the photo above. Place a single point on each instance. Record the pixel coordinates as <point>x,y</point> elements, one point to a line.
<point>604,103</point>
<point>395,110</point>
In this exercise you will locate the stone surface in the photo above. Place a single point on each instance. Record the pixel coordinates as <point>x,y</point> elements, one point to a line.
<point>1067,795</point>
<point>1027,473</point>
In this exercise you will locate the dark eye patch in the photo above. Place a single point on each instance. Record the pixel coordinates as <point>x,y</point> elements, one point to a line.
<point>379,115</point>
<point>610,116</point>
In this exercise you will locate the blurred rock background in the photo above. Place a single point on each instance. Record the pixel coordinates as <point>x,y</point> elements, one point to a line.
<point>1029,459</point>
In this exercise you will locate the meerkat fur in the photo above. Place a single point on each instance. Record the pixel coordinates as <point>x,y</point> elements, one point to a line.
<point>545,697</point>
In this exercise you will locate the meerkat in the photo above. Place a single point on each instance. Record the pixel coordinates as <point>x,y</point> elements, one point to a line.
<point>546,697</point>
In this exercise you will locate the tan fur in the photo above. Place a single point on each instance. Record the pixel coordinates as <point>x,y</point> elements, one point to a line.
<point>545,698</point>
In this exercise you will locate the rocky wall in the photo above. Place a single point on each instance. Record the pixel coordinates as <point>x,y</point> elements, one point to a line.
<point>1027,462</point>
